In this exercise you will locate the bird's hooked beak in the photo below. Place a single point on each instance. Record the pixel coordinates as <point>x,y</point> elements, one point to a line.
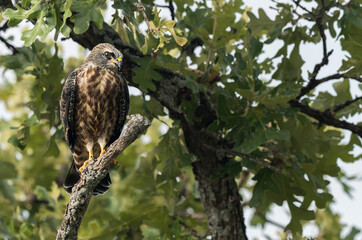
<point>117,62</point>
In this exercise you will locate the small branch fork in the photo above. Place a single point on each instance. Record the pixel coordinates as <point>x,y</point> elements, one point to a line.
<point>170,7</point>
<point>245,156</point>
<point>325,117</point>
<point>94,173</point>
<point>141,9</point>
<point>3,28</point>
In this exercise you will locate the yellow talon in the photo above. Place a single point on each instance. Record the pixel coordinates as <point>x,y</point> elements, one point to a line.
<point>115,161</point>
<point>103,151</point>
<point>84,166</point>
<point>90,155</point>
<point>86,162</point>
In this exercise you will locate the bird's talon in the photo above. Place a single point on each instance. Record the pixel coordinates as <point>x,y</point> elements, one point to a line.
<point>103,151</point>
<point>84,166</point>
<point>115,162</point>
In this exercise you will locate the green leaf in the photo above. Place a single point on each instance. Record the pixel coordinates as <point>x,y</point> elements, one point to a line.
<point>33,120</point>
<point>194,86</point>
<point>343,91</point>
<point>42,195</point>
<point>4,230</point>
<point>7,170</point>
<point>87,11</point>
<point>146,73</point>
<point>7,191</point>
<point>40,29</point>
<point>27,229</point>
<point>144,48</point>
<point>264,182</point>
<point>261,136</point>
<point>255,47</point>
<point>272,133</point>
<point>352,234</point>
<point>52,149</point>
<point>151,233</point>
<point>170,27</point>
<point>298,214</point>
<point>16,142</point>
<point>64,29</point>
<point>16,16</point>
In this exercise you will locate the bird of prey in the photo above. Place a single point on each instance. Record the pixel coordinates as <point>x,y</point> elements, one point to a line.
<point>93,109</point>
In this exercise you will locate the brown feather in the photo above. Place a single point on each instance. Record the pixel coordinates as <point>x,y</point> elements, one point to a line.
<point>93,108</point>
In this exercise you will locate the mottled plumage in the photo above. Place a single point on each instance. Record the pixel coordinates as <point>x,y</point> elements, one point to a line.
<point>93,109</point>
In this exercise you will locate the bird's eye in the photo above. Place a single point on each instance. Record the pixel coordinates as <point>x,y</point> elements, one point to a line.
<point>108,55</point>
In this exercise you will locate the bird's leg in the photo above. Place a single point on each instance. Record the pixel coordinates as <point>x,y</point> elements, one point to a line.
<point>86,162</point>
<point>103,151</point>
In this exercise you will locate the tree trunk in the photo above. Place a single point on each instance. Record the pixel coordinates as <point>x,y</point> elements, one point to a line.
<point>220,196</point>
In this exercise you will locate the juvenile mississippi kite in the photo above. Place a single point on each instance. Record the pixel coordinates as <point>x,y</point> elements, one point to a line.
<point>93,109</point>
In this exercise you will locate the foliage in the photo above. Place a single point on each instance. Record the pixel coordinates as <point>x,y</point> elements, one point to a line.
<point>219,50</point>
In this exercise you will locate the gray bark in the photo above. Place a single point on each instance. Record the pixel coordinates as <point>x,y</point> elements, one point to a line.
<point>93,174</point>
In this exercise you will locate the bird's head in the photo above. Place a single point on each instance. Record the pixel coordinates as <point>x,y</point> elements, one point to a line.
<point>105,55</point>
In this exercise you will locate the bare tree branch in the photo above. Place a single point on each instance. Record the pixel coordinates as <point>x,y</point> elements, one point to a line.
<point>318,19</point>
<point>3,28</point>
<point>297,2</point>
<point>172,9</point>
<point>315,82</point>
<point>8,45</point>
<point>94,173</point>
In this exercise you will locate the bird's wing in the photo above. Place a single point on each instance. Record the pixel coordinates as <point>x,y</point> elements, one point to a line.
<point>123,99</point>
<point>67,103</point>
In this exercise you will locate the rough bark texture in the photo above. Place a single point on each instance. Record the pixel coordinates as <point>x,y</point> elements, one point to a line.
<point>94,173</point>
<point>220,197</point>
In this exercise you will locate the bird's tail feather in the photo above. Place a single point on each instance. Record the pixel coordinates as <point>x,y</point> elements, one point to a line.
<point>73,177</point>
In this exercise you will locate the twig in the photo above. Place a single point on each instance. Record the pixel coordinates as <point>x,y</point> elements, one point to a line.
<point>339,107</point>
<point>172,9</point>
<point>326,118</point>
<point>358,78</point>
<point>5,26</point>
<point>94,173</point>
<point>211,47</point>
<point>141,9</point>
<point>8,45</point>
<point>302,7</point>
<point>192,231</point>
<point>318,19</point>
<point>247,157</point>
<point>315,82</point>
<point>268,220</point>
<point>197,216</point>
